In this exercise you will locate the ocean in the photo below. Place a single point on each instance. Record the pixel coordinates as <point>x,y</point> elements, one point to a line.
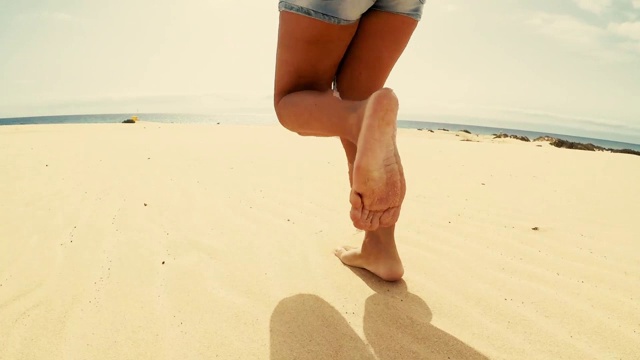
<point>266,119</point>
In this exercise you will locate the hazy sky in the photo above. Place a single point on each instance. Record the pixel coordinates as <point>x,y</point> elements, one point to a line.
<point>573,63</point>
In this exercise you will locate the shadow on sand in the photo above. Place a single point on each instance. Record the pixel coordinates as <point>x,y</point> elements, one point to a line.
<point>397,325</point>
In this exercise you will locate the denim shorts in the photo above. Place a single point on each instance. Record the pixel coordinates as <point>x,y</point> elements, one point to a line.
<point>348,11</point>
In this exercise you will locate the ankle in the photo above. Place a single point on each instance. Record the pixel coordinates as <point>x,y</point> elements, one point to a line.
<point>355,120</point>
<point>381,235</point>
<point>383,256</point>
<point>380,242</point>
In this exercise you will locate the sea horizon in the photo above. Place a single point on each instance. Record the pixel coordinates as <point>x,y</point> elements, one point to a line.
<point>269,119</point>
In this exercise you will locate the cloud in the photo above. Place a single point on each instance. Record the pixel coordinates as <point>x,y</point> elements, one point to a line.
<point>629,30</point>
<point>60,16</point>
<point>57,16</point>
<point>633,47</point>
<point>588,39</point>
<point>451,8</point>
<point>555,118</point>
<point>567,28</point>
<point>595,6</point>
<point>448,6</point>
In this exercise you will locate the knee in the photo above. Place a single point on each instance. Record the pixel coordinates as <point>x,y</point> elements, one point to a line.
<point>276,101</point>
<point>280,113</point>
<point>284,118</point>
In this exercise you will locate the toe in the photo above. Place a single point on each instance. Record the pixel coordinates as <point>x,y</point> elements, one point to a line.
<point>355,215</point>
<point>355,199</point>
<point>390,217</point>
<point>359,218</point>
<point>367,216</point>
<point>339,252</point>
<point>349,255</point>
<point>365,219</point>
<point>375,220</point>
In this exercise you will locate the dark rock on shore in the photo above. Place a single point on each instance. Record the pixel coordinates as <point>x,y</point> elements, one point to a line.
<point>544,138</point>
<point>443,129</point>
<point>466,131</point>
<point>129,121</point>
<point>559,143</point>
<point>625,151</point>
<point>565,144</point>
<point>507,136</point>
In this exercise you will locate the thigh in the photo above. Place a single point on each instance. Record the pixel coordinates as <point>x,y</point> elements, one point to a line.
<point>309,52</point>
<point>377,45</point>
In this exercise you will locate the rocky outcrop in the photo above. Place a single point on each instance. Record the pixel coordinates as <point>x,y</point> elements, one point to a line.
<point>625,151</point>
<point>565,144</point>
<point>507,136</point>
<point>544,138</point>
<point>129,121</point>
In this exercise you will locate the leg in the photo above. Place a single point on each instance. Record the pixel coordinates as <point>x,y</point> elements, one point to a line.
<point>358,79</point>
<point>309,54</point>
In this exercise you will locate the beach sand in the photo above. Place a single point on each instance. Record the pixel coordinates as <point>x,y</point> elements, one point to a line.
<point>166,241</point>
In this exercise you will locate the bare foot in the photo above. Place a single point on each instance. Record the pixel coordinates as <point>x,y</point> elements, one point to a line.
<point>378,179</point>
<point>379,258</point>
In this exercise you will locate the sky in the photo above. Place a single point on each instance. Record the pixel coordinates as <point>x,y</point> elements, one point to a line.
<point>565,65</point>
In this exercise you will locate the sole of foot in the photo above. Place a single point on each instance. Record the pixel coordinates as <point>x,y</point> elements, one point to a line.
<point>378,179</point>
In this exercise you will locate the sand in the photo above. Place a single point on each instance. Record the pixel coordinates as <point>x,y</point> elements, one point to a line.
<point>167,241</point>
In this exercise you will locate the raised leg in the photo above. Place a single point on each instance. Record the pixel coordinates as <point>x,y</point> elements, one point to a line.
<point>358,79</point>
